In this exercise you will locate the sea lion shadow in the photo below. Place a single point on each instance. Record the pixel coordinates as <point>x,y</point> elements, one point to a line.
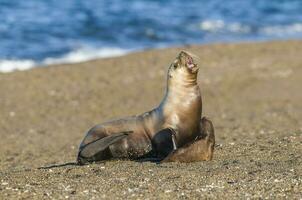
<point>59,165</point>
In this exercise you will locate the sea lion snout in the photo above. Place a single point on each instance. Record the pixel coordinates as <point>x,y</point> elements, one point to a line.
<point>186,59</point>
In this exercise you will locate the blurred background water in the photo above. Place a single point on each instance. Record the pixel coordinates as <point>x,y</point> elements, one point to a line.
<point>41,32</point>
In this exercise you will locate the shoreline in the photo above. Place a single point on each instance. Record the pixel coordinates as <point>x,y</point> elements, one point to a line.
<point>86,55</point>
<point>251,92</point>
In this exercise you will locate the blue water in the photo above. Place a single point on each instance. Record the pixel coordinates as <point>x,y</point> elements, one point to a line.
<point>51,30</point>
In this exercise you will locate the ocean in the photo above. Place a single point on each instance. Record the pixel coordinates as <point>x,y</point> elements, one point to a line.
<point>43,32</point>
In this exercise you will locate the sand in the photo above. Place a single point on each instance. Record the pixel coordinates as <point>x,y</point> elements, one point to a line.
<point>251,91</point>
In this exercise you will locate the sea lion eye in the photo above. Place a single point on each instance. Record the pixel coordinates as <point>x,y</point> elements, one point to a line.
<point>175,65</point>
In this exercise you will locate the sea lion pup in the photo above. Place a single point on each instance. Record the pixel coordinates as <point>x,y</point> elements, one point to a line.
<point>200,149</point>
<point>154,134</point>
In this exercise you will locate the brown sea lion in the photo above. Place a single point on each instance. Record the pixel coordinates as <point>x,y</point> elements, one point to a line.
<point>174,123</point>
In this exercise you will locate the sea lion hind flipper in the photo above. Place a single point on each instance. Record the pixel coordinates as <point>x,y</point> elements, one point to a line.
<point>94,147</point>
<point>201,149</point>
<point>163,142</point>
<point>207,130</point>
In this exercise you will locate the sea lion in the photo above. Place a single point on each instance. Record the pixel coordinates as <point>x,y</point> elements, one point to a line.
<point>174,123</point>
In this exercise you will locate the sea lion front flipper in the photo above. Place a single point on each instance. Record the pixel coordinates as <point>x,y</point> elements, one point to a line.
<point>96,146</point>
<point>199,150</point>
<point>164,142</point>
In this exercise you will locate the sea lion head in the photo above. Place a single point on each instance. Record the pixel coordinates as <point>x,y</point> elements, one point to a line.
<point>183,68</point>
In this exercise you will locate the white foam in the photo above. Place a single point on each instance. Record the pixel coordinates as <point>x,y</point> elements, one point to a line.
<point>219,25</point>
<point>238,28</point>
<point>212,25</point>
<point>13,65</point>
<point>281,30</point>
<point>85,54</point>
<point>78,55</point>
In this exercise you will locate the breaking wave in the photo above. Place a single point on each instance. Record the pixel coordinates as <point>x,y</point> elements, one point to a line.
<point>12,65</point>
<point>219,26</point>
<point>76,56</point>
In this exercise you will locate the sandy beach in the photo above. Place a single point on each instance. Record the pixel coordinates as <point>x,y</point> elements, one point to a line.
<point>251,92</point>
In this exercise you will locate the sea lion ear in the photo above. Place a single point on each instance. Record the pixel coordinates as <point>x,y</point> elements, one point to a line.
<point>163,142</point>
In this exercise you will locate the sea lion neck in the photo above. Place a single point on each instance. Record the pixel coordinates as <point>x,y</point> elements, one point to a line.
<point>181,78</point>
<point>181,92</point>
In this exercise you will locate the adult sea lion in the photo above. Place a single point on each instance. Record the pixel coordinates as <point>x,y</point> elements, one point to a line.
<point>159,132</point>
